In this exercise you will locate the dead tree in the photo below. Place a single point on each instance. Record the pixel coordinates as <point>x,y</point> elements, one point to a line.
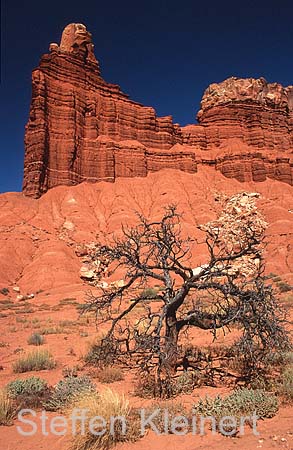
<point>157,253</point>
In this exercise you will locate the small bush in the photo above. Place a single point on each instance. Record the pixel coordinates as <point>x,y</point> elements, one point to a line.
<point>29,392</point>
<point>110,374</point>
<point>102,352</point>
<point>286,388</point>
<point>173,409</point>
<point>8,409</point>
<point>107,404</point>
<point>147,386</point>
<point>68,372</point>
<point>36,360</point>
<point>68,301</point>
<point>149,293</point>
<point>184,383</point>
<point>67,390</point>
<point>242,402</point>
<point>28,386</point>
<point>53,330</point>
<point>36,339</point>
<point>67,323</point>
<point>246,401</point>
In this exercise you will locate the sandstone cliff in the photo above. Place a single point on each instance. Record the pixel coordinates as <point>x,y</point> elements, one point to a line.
<point>82,128</point>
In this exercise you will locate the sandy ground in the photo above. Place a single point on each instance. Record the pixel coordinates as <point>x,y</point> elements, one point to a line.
<point>58,309</point>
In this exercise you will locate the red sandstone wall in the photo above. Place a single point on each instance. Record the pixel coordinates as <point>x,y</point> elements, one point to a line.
<point>82,128</point>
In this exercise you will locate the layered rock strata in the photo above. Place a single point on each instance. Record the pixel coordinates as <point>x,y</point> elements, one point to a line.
<point>82,128</point>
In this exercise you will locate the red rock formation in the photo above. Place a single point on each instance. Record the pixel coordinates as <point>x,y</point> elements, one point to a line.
<point>82,128</point>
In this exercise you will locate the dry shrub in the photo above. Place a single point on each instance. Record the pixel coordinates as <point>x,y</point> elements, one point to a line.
<point>286,387</point>
<point>110,375</point>
<point>70,372</point>
<point>169,409</point>
<point>107,404</point>
<point>102,352</point>
<point>36,339</point>
<point>148,386</point>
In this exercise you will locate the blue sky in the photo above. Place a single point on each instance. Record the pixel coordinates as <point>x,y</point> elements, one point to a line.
<point>162,53</point>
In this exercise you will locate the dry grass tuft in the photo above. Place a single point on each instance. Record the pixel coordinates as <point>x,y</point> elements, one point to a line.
<point>107,405</point>
<point>36,360</point>
<point>8,409</point>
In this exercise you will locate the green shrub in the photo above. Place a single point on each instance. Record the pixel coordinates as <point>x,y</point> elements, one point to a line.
<point>36,339</point>
<point>286,388</point>
<point>239,403</point>
<point>184,383</point>
<point>36,360</point>
<point>149,293</point>
<point>110,374</point>
<point>67,390</point>
<point>8,410</point>
<point>29,392</point>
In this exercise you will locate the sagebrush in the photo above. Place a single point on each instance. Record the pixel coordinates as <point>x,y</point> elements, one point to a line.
<point>29,392</point>
<point>67,390</point>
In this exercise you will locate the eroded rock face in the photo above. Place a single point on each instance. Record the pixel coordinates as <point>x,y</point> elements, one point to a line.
<point>84,129</point>
<point>245,91</point>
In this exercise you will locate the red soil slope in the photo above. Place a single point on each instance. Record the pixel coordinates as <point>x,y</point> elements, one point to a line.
<point>39,238</point>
